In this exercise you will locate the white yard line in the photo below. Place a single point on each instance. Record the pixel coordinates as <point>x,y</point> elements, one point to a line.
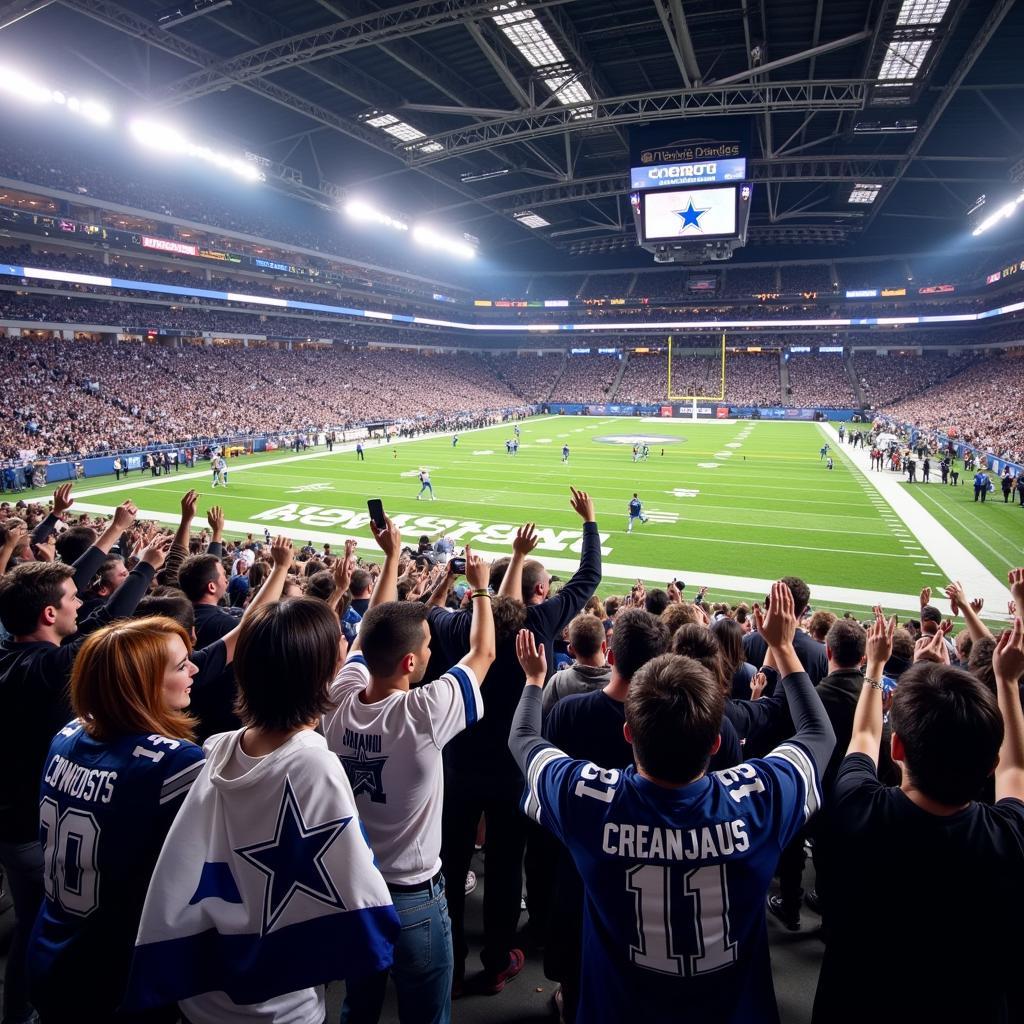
<point>955,560</point>
<point>820,594</point>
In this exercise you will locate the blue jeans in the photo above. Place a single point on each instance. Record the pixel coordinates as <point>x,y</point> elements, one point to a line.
<point>422,969</point>
<point>23,868</point>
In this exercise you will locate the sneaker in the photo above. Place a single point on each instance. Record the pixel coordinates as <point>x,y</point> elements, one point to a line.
<point>812,900</point>
<point>470,881</point>
<point>492,984</point>
<point>789,917</point>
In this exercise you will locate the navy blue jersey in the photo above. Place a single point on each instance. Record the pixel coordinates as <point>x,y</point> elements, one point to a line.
<point>675,881</point>
<point>565,449</point>
<point>634,508</point>
<point>104,811</point>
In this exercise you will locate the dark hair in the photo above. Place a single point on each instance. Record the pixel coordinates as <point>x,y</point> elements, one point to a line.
<point>389,632</point>
<point>929,613</point>
<point>285,660</point>
<point>27,590</point>
<point>698,642</point>
<point>320,585</point>
<point>110,564</point>
<point>586,634</point>
<point>74,542</point>
<point>847,640</point>
<point>800,591</point>
<point>951,731</point>
<point>497,573</point>
<point>979,661</point>
<point>611,605</point>
<point>509,617</point>
<point>533,572</point>
<point>656,601</point>
<point>197,572</point>
<point>360,583</point>
<point>639,636</point>
<point>172,606</point>
<point>729,635</point>
<point>674,710</point>
<point>903,644</point>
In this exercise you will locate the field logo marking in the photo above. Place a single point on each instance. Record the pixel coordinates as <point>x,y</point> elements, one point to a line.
<point>684,492</point>
<point>310,487</point>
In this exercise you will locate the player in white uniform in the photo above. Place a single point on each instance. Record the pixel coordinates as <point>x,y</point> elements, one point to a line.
<point>389,738</point>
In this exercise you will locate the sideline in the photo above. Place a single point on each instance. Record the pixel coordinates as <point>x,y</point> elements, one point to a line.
<point>955,560</point>
<point>339,449</point>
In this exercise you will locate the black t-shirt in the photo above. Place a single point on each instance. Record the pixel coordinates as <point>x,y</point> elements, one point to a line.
<point>811,653</point>
<point>213,622</point>
<point>925,925</point>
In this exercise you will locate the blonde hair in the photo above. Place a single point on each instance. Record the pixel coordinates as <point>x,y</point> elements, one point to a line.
<point>117,680</point>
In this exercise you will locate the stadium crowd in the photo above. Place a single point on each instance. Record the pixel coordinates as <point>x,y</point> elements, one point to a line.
<point>616,749</point>
<point>818,380</point>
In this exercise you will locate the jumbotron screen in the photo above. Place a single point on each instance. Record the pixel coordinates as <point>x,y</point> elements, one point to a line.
<point>669,215</point>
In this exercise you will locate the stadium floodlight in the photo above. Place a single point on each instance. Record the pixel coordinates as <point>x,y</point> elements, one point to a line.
<point>427,236</point>
<point>169,140</point>
<point>14,83</point>
<point>357,209</point>
<point>1004,212</point>
<point>529,219</point>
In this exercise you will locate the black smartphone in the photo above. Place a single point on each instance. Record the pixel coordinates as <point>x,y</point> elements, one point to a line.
<point>376,509</point>
<point>458,565</point>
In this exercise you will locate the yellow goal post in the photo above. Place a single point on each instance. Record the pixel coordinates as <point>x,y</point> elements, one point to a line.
<point>697,398</point>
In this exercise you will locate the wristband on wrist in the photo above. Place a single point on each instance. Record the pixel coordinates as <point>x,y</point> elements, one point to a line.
<point>482,592</point>
<point>875,684</point>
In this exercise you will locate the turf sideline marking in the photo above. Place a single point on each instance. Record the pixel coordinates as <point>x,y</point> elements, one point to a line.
<point>955,561</point>
<point>339,449</point>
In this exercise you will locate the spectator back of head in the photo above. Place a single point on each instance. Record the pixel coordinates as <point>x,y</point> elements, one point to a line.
<point>846,643</point>
<point>639,636</point>
<point>586,635</point>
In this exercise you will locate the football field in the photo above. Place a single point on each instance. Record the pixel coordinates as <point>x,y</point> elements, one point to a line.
<point>730,504</point>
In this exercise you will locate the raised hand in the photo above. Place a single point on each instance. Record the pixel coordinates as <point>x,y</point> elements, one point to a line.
<point>188,506</point>
<point>46,551</point>
<point>282,551</point>
<point>926,596</point>
<point>757,685</point>
<point>932,648</point>
<point>778,625</point>
<point>879,644</point>
<point>389,539</point>
<point>155,552</point>
<point>62,499</point>
<point>675,595</point>
<point>957,597</point>
<point>124,516</point>
<point>977,604</point>
<point>526,539</point>
<point>1016,578</point>
<point>582,504</point>
<point>532,659</point>
<point>215,517</point>
<point>477,570</point>
<point>15,536</point>
<point>1008,657</point>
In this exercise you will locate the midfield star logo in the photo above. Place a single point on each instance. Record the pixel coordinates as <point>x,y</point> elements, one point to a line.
<point>414,526</point>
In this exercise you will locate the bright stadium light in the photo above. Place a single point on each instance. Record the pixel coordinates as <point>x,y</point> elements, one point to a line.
<point>357,209</point>
<point>168,140</point>
<point>427,236</point>
<point>20,86</point>
<point>1004,212</point>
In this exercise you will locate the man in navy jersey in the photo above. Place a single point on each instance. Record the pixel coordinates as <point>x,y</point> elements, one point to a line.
<point>676,863</point>
<point>636,511</point>
<point>565,453</point>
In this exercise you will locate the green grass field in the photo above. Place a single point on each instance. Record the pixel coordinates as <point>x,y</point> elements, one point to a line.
<point>730,504</point>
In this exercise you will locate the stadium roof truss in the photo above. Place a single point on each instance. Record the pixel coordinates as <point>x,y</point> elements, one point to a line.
<point>492,110</point>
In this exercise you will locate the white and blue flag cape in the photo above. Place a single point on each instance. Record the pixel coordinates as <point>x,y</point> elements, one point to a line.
<point>265,884</point>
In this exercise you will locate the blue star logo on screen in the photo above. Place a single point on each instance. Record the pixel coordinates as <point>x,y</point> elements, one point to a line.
<point>690,216</point>
<point>293,861</point>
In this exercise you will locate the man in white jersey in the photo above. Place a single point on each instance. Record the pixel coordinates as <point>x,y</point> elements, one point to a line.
<point>389,738</point>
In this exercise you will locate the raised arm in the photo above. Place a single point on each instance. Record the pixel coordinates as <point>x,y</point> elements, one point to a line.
<point>13,538</point>
<point>282,552</point>
<point>512,582</point>
<point>866,735</point>
<point>389,540</point>
<point>959,605</point>
<point>813,728</point>
<point>1008,663</point>
<point>343,569</point>
<point>439,595</point>
<point>481,652</point>
<point>215,517</point>
<point>179,546</point>
<point>88,564</point>
<point>525,735</point>
<point>1016,577</point>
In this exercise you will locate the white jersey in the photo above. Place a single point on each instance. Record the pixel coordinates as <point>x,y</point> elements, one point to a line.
<point>391,752</point>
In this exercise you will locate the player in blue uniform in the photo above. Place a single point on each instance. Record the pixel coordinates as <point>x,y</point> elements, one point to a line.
<point>455,440</point>
<point>565,453</point>
<point>676,863</point>
<point>113,781</point>
<point>636,511</point>
<point>823,451</point>
<point>516,431</point>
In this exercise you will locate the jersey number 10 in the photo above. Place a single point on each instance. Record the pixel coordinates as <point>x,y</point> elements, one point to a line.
<point>656,949</point>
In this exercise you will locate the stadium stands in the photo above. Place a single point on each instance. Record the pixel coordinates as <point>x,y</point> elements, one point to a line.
<point>819,380</point>
<point>586,379</point>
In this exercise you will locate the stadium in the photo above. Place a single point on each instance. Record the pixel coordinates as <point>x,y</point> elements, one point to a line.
<point>657,303</point>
